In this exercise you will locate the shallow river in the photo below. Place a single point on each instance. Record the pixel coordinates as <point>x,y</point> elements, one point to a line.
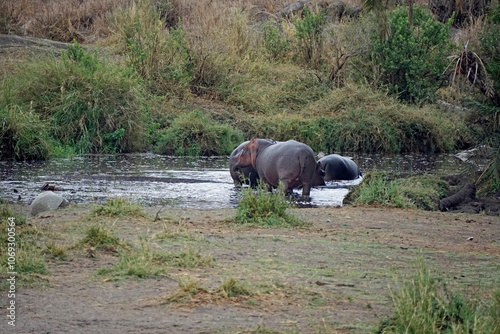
<point>177,181</point>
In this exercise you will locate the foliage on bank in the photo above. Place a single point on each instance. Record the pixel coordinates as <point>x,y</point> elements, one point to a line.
<point>335,87</point>
<point>381,188</point>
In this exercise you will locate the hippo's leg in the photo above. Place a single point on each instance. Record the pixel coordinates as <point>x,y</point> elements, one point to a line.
<point>284,188</point>
<point>306,190</point>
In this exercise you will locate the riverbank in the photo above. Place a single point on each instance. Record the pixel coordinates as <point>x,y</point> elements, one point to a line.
<point>332,275</point>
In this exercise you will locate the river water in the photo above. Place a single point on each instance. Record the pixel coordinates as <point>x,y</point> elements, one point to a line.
<point>177,181</point>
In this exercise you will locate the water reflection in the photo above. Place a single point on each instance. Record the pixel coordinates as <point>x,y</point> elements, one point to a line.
<point>178,181</point>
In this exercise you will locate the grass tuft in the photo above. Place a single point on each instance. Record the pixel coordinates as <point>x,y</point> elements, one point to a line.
<point>118,207</point>
<point>264,208</point>
<point>233,287</point>
<point>139,263</point>
<point>100,237</point>
<point>423,305</point>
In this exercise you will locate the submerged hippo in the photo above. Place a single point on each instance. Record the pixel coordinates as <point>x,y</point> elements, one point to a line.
<point>337,167</point>
<point>291,163</point>
<point>247,175</point>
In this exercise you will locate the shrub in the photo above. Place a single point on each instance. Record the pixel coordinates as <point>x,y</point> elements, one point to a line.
<point>275,41</point>
<point>309,31</point>
<point>413,59</point>
<point>421,191</point>
<point>85,102</point>
<point>23,135</point>
<point>360,119</point>
<point>193,133</point>
<point>160,56</point>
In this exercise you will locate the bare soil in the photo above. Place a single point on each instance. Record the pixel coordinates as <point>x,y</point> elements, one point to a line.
<point>330,277</point>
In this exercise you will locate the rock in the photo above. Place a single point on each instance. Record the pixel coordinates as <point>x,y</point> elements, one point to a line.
<point>47,201</point>
<point>291,9</point>
<point>335,11</point>
<point>258,14</point>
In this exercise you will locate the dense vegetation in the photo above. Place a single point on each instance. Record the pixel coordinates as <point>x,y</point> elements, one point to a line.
<point>198,77</point>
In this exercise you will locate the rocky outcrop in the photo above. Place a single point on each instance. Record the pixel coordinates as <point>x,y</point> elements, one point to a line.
<point>334,11</point>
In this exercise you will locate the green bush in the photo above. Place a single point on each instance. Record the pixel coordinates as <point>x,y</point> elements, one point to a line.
<point>23,135</point>
<point>421,191</point>
<point>162,57</point>
<point>363,120</point>
<point>309,29</point>
<point>193,133</point>
<point>83,101</point>
<point>275,42</point>
<point>413,59</point>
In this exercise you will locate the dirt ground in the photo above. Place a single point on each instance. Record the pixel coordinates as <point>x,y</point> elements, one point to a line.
<point>331,277</point>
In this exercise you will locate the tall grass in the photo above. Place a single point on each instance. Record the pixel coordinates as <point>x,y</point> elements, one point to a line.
<point>380,188</point>
<point>425,306</point>
<point>61,20</point>
<point>83,101</point>
<point>356,118</point>
<point>193,133</point>
<point>298,78</point>
<point>23,135</point>
<point>161,56</point>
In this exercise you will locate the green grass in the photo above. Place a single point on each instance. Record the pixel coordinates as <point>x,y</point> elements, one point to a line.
<point>145,262</point>
<point>79,100</point>
<point>118,207</point>
<point>189,258</point>
<point>264,208</point>
<point>421,191</point>
<point>424,305</point>
<point>194,133</point>
<point>23,244</point>
<point>142,262</point>
<point>100,237</point>
<point>185,91</point>
<point>233,287</point>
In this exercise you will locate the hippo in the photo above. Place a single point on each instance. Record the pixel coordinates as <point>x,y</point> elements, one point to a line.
<point>337,167</point>
<point>291,163</point>
<point>243,175</point>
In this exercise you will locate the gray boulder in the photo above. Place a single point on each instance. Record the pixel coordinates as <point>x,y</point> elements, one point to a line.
<point>291,9</point>
<point>47,201</point>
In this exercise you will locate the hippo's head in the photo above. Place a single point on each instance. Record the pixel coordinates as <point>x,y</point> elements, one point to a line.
<point>319,176</point>
<point>244,158</point>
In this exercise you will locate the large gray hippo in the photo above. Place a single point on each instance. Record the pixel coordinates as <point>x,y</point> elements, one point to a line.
<point>337,167</point>
<point>291,163</point>
<point>240,175</point>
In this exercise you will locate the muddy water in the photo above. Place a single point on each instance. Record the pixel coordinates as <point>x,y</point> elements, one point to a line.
<point>176,181</point>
